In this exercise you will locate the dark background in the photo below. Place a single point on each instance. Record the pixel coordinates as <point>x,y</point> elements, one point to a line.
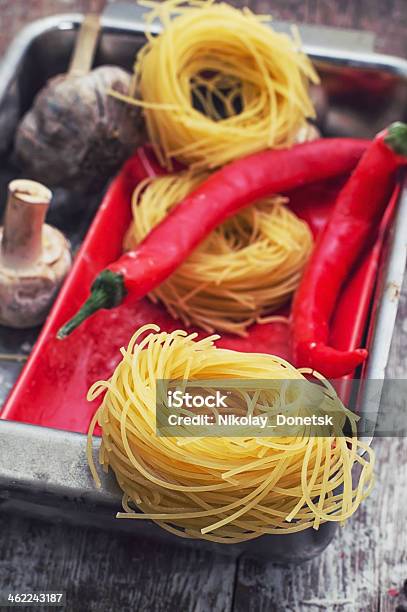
<point>366,565</point>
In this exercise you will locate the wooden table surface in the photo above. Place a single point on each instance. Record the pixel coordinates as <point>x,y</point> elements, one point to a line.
<point>365,567</point>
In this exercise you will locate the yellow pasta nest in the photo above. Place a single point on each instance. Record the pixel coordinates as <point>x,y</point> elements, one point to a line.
<point>224,489</point>
<point>218,83</point>
<point>247,267</point>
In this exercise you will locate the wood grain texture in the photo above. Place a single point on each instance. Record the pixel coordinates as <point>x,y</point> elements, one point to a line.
<point>364,568</point>
<point>106,573</point>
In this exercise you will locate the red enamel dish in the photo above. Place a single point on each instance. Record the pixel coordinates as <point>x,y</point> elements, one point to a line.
<point>51,390</point>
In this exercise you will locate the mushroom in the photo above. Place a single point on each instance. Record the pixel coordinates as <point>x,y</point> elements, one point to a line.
<point>76,135</point>
<point>34,257</point>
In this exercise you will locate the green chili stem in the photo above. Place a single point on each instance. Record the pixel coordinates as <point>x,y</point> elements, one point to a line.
<point>396,137</point>
<point>107,291</point>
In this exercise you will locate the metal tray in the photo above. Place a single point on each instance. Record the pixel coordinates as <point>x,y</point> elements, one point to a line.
<point>48,474</point>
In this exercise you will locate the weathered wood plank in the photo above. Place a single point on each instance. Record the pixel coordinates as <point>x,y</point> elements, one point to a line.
<point>105,573</point>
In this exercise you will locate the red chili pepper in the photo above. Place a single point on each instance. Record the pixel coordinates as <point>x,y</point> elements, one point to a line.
<point>356,214</point>
<point>222,195</point>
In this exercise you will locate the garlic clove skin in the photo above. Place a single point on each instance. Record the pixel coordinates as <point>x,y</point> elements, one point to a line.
<point>77,135</point>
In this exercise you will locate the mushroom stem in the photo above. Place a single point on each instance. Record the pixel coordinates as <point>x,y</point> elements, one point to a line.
<point>27,206</point>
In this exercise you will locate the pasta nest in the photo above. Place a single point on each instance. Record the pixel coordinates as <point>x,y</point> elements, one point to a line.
<point>218,83</point>
<point>246,268</point>
<point>225,489</point>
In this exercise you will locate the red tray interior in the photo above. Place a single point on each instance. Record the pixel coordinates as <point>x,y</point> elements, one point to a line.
<point>51,390</point>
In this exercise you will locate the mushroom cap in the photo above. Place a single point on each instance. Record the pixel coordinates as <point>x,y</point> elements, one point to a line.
<point>27,294</point>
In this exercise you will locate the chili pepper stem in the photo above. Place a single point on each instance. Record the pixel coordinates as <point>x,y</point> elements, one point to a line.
<point>107,291</point>
<point>396,138</point>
